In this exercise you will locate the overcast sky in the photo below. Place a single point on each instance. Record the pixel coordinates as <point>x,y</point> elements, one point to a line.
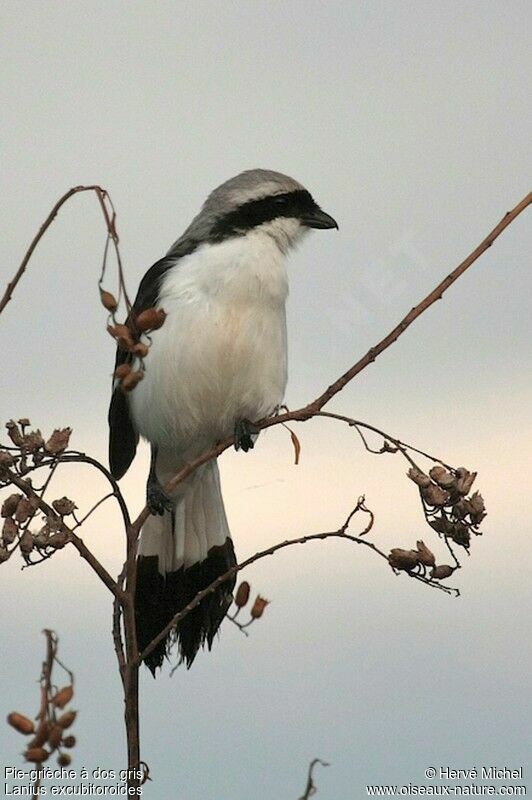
<point>409,124</point>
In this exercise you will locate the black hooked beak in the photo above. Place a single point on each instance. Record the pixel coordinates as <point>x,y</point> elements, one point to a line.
<point>318,219</point>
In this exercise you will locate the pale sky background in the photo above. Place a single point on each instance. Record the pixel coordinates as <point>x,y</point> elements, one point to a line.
<point>409,123</point>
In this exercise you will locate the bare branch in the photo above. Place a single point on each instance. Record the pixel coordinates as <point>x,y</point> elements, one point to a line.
<point>310,789</point>
<point>110,222</point>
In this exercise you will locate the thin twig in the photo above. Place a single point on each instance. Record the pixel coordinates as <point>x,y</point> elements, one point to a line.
<point>101,194</point>
<point>310,789</point>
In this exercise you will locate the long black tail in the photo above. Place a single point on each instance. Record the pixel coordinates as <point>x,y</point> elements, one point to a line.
<point>159,598</point>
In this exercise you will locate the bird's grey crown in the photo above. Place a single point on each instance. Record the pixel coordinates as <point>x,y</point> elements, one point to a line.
<point>253,184</point>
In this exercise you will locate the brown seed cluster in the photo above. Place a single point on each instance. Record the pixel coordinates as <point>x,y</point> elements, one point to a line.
<point>447,508</point>
<point>418,561</point>
<point>129,338</point>
<point>49,732</point>
<point>30,447</point>
<point>18,512</point>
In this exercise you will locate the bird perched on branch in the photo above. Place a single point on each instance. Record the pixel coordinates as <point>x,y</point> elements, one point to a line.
<point>217,364</point>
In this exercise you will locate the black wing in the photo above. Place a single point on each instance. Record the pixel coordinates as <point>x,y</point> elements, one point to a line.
<point>123,438</point>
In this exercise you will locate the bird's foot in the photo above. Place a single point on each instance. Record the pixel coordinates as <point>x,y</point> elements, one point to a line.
<point>245,435</point>
<point>157,500</point>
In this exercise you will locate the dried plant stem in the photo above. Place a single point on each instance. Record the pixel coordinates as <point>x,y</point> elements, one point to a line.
<point>102,195</point>
<point>310,789</point>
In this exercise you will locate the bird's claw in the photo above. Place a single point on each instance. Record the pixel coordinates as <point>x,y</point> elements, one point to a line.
<point>245,435</point>
<point>157,500</point>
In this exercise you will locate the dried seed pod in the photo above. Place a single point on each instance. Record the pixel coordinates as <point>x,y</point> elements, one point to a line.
<point>464,480</point>
<point>64,506</point>
<point>131,380</point>
<point>58,540</point>
<point>20,723</point>
<point>55,735</point>
<point>121,331</point>
<point>24,422</point>
<point>403,559</point>
<point>63,696</point>
<point>9,531</point>
<point>9,506</point>
<point>460,534</point>
<point>478,509</point>
<point>418,477</point>
<point>242,594</point>
<point>150,319</point>
<point>53,524</point>
<point>442,477</point>
<point>64,760</point>
<point>36,754</point>
<point>434,495</point>
<point>257,609</point>
<point>26,543</point>
<point>24,510</point>
<point>6,459</point>
<point>441,525</point>
<point>442,571</point>
<point>14,433</point>
<point>42,734</point>
<point>58,441</point>
<point>462,508</point>
<point>121,371</point>
<point>41,538</point>
<point>108,300</point>
<point>141,350</point>
<point>67,719</point>
<point>69,741</point>
<point>425,555</point>
<point>33,441</point>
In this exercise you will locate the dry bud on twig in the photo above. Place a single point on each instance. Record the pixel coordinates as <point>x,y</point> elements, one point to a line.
<point>403,559</point>
<point>242,594</point>
<point>6,459</point>
<point>9,531</point>
<point>258,607</point>
<point>131,380</point>
<point>58,441</point>
<point>64,506</point>
<point>434,495</point>
<point>443,478</point>
<point>36,754</point>
<point>150,320</point>
<point>10,504</point>
<point>108,300</point>
<point>14,433</point>
<point>465,480</point>
<point>418,477</point>
<point>20,723</point>
<point>442,571</point>
<point>67,719</point>
<point>425,556</point>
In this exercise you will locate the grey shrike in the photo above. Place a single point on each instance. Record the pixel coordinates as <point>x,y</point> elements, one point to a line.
<point>216,365</point>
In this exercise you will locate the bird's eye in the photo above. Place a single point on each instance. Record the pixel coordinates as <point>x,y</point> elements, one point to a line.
<point>280,201</point>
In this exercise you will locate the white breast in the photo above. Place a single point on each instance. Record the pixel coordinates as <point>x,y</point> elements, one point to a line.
<point>221,353</point>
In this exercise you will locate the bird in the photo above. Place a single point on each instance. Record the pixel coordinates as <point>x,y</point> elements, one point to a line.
<point>216,366</point>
